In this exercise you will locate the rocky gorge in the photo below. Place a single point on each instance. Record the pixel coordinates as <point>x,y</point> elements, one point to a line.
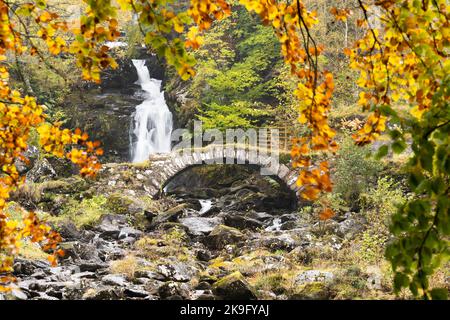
<point>217,232</point>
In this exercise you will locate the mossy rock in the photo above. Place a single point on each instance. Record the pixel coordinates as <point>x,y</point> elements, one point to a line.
<point>119,203</point>
<point>170,215</point>
<point>74,184</point>
<point>222,236</point>
<point>234,287</point>
<point>312,291</point>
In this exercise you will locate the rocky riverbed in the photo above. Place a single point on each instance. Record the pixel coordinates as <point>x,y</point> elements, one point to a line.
<point>218,232</point>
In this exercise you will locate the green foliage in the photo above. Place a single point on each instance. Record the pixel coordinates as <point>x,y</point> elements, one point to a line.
<point>421,226</point>
<point>355,171</point>
<point>237,115</point>
<point>49,85</point>
<point>379,203</point>
<point>237,84</point>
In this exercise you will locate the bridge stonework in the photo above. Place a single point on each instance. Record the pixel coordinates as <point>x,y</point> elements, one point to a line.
<point>166,166</point>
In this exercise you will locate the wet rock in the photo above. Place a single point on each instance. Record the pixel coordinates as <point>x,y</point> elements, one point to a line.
<point>242,222</point>
<point>203,285</point>
<point>92,266</point>
<point>87,251</point>
<point>111,222</point>
<point>233,287</point>
<point>18,294</point>
<point>152,286</point>
<point>205,296</point>
<point>54,293</point>
<point>198,226</point>
<point>83,275</point>
<point>41,170</point>
<point>148,274</point>
<point>203,255</point>
<point>260,216</point>
<point>288,225</point>
<point>45,296</point>
<point>70,250</point>
<point>24,268</point>
<point>222,236</point>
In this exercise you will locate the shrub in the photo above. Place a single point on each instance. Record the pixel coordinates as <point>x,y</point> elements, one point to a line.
<point>379,204</point>
<point>355,171</point>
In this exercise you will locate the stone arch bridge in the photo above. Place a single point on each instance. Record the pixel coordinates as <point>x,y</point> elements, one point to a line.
<point>166,166</point>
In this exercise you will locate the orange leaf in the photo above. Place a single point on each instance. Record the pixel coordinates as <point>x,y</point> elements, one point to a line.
<point>326,214</point>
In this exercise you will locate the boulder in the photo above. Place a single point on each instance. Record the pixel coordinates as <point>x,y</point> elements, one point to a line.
<point>198,226</point>
<point>173,291</point>
<point>178,271</point>
<point>240,221</point>
<point>314,276</point>
<point>351,226</point>
<point>279,242</point>
<point>312,291</point>
<point>222,236</point>
<point>69,231</point>
<point>233,287</point>
<point>110,226</point>
<point>170,215</point>
<point>114,280</point>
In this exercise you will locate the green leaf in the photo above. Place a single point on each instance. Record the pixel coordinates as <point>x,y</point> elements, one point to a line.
<point>399,146</point>
<point>400,280</point>
<point>382,152</point>
<point>439,294</point>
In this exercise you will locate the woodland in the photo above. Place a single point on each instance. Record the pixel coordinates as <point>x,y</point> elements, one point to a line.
<point>95,205</point>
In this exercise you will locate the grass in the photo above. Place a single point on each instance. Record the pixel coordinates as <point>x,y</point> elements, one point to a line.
<point>127,266</point>
<point>32,251</point>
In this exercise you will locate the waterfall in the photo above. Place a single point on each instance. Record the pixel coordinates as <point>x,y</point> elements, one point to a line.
<point>151,127</point>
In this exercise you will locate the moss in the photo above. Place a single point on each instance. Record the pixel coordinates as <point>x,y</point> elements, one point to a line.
<point>145,242</point>
<point>85,213</point>
<point>235,276</point>
<point>275,282</point>
<point>234,286</point>
<point>311,291</point>
<point>167,245</point>
<point>44,191</point>
<point>119,203</point>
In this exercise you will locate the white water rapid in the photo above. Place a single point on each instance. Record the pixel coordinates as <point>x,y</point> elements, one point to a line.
<point>152,122</point>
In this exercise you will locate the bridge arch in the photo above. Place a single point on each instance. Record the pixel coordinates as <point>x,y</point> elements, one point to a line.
<point>172,164</point>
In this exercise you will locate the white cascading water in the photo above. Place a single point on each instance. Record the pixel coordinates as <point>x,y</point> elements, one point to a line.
<point>152,126</point>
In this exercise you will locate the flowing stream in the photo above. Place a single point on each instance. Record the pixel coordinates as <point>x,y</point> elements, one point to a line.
<point>152,123</point>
